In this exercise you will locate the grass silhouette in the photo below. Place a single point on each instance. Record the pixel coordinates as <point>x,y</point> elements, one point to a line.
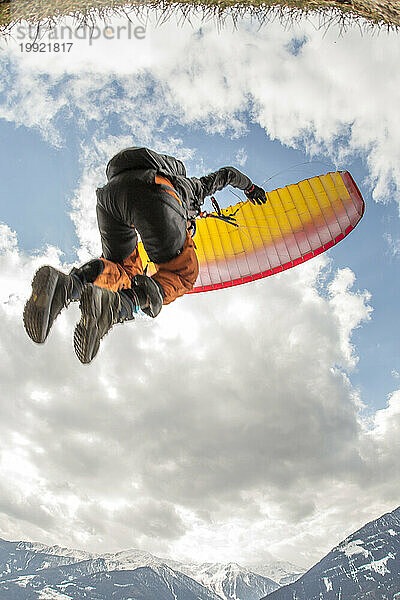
<point>375,13</point>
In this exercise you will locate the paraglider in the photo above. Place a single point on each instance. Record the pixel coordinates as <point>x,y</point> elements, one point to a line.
<point>182,248</point>
<point>298,222</point>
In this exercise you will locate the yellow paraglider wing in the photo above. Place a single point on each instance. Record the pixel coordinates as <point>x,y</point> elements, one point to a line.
<point>296,223</point>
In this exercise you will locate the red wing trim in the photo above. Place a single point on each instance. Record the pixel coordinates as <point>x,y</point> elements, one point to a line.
<point>353,190</point>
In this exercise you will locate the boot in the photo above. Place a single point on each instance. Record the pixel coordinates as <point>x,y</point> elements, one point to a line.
<point>101,309</point>
<point>149,294</point>
<point>52,291</point>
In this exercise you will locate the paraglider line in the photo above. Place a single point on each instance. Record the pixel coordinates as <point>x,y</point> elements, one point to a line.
<point>307,162</point>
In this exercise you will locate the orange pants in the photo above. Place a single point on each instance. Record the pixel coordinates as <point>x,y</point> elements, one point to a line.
<point>176,276</point>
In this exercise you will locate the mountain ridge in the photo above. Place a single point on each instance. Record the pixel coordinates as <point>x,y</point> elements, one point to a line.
<point>365,565</point>
<point>31,567</point>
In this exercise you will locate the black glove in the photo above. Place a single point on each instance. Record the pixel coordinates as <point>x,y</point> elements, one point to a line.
<point>256,195</point>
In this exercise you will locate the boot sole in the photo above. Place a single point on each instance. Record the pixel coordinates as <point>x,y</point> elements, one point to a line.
<point>37,308</point>
<point>86,335</point>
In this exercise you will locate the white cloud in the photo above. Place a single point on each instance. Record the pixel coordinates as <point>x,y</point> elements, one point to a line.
<point>241,157</point>
<point>387,425</point>
<point>223,74</point>
<point>256,445</point>
<point>350,309</point>
<point>27,101</point>
<point>394,244</point>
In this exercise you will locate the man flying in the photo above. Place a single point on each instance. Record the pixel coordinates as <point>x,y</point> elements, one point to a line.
<point>148,193</point>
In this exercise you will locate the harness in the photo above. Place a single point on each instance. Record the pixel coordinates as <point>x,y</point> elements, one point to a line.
<point>192,227</point>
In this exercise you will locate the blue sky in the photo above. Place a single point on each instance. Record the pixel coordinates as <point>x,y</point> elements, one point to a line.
<point>261,425</point>
<point>36,204</point>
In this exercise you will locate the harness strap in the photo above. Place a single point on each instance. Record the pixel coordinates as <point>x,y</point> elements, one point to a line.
<point>169,188</point>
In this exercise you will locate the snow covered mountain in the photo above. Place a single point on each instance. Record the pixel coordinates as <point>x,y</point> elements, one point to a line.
<point>366,565</point>
<point>280,571</point>
<point>75,555</point>
<point>144,583</point>
<point>15,557</point>
<point>230,581</point>
<point>35,571</point>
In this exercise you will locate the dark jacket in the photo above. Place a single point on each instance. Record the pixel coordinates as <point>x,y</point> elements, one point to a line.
<point>192,190</point>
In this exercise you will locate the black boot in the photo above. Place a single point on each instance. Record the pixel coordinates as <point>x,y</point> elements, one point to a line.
<point>149,293</point>
<point>52,291</point>
<point>101,309</point>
